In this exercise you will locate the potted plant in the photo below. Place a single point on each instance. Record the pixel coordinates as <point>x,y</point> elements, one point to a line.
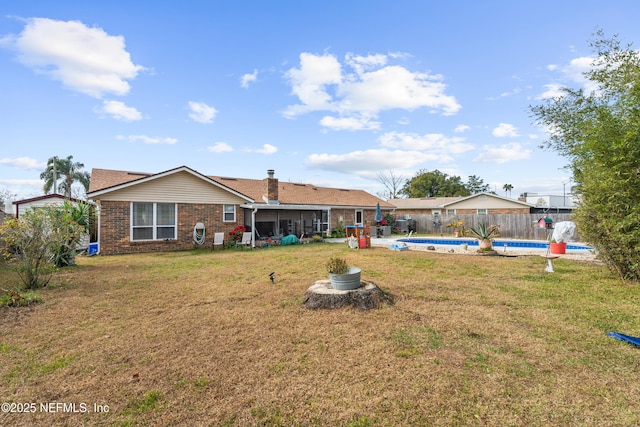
<point>485,234</point>
<point>458,227</point>
<point>557,248</point>
<point>342,276</point>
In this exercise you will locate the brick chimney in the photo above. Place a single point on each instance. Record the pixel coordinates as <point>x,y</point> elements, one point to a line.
<point>271,187</point>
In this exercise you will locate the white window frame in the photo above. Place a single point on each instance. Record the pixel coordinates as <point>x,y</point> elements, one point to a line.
<point>154,226</point>
<point>482,211</point>
<point>361,214</point>
<point>451,211</point>
<point>224,213</point>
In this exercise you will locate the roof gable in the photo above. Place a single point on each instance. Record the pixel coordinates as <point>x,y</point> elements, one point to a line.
<point>485,200</point>
<point>109,181</point>
<point>479,200</point>
<point>422,202</point>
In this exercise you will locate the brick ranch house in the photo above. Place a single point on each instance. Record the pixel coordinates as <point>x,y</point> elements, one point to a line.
<point>146,212</point>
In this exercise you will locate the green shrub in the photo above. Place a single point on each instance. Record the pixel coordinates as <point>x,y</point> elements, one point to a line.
<point>337,266</point>
<point>17,299</point>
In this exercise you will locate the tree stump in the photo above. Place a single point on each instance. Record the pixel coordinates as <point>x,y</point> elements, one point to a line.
<point>366,297</point>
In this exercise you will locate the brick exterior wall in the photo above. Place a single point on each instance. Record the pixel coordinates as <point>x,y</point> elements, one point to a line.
<point>271,188</point>
<point>349,217</point>
<point>115,228</point>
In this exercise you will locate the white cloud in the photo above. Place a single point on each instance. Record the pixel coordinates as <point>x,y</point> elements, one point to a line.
<point>553,90</point>
<point>363,63</point>
<point>505,130</point>
<point>349,123</point>
<point>367,161</point>
<point>85,59</point>
<point>23,163</point>
<point>571,73</point>
<point>394,87</point>
<point>512,92</point>
<point>201,112</point>
<point>309,83</point>
<point>267,149</point>
<point>461,128</point>
<point>503,154</point>
<point>436,143</point>
<point>119,111</point>
<point>147,139</point>
<point>220,147</point>
<point>369,85</point>
<point>247,79</point>
<point>577,67</point>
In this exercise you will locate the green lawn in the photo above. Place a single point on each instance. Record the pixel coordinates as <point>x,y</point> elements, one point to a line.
<point>205,338</point>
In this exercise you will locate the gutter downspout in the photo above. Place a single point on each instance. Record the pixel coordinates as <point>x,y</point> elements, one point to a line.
<point>253,227</point>
<point>99,209</point>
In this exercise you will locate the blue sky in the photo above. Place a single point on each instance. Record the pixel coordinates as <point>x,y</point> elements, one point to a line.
<point>330,93</point>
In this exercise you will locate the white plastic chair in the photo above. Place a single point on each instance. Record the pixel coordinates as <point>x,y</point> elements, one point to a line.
<point>218,240</point>
<point>246,239</point>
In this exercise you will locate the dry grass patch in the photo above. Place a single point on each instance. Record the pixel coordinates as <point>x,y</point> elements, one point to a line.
<point>205,338</point>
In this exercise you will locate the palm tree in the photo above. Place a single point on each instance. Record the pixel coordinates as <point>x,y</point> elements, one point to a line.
<point>67,170</point>
<point>507,189</point>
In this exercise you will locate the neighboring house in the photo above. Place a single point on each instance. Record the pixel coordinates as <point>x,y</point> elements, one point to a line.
<point>516,218</point>
<point>142,212</point>
<point>21,206</point>
<point>550,202</point>
<point>476,204</point>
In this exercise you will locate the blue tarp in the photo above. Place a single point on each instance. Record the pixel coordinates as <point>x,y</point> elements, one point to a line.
<point>291,239</point>
<point>626,338</point>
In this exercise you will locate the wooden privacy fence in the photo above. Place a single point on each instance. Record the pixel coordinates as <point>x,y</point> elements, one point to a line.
<point>512,226</point>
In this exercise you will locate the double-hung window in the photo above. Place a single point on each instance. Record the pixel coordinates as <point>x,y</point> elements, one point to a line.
<point>229,214</point>
<point>153,221</point>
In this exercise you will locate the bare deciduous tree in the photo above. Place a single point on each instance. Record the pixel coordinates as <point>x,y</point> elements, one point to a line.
<point>392,185</point>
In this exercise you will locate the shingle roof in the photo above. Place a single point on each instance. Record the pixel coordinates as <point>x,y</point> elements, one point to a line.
<point>288,193</point>
<point>303,194</point>
<point>105,178</point>
<point>422,203</point>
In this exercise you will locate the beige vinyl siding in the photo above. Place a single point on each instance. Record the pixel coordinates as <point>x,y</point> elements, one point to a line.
<point>180,187</point>
<point>488,203</point>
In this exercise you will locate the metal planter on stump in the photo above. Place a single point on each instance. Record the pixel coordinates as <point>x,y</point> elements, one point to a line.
<point>347,281</point>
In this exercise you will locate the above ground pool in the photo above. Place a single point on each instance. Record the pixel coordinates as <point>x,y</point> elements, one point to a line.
<point>525,244</point>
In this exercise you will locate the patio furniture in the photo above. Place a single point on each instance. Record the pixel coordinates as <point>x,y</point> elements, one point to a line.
<point>218,240</point>
<point>246,240</point>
